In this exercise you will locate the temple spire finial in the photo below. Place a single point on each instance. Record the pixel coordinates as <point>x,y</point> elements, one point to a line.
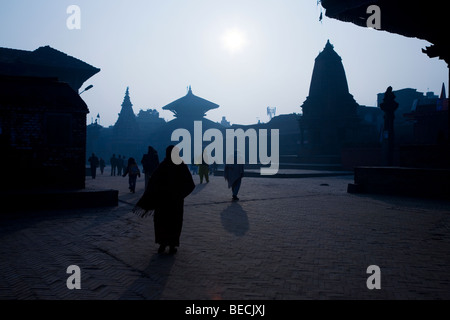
<point>126,100</point>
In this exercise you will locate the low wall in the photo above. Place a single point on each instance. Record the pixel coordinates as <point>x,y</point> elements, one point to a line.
<point>58,200</point>
<point>414,182</point>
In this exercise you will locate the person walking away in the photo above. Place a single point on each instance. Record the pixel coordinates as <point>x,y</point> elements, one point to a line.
<point>150,162</point>
<point>93,160</point>
<point>167,188</point>
<point>120,165</point>
<point>113,162</point>
<point>102,165</point>
<point>194,167</point>
<point>133,172</point>
<point>233,173</point>
<point>203,169</point>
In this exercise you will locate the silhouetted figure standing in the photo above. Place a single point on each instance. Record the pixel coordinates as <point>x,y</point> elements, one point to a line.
<point>133,172</point>
<point>233,174</point>
<point>203,169</point>
<point>389,105</point>
<point>120,165</point>
<point>194,167</point>
<point>93,160</point>
<point>102,165</point>
<point>113,162</point>
<point>150,162</point>
<point>167,188</point>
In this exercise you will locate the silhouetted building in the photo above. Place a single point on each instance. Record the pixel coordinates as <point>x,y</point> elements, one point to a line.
<point>289,135</point>
<point>126,131</point>
<point>149,120</point>
<point>190,107</point>
<point>428,148</point>
<point>429,123</point>
<point>129,136</point>
<point>187,110</point>
<point>42,118</point>
<point>329,119</point>
<point>46,62</point>
<point>411,104</point>
<point>43,134</point>
<point>405,98</point>
<point>225,123</point>
<point>400,17</point>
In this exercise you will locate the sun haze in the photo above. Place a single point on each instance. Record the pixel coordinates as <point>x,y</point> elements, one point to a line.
<point>234,40</point>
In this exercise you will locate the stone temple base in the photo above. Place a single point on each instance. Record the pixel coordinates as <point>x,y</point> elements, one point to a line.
<point>414,182</point>
<point>34,200</point>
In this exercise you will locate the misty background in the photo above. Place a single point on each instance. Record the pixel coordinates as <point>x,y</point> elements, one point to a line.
<point>159,48</point>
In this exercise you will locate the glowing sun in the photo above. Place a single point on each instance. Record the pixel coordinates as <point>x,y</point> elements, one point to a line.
<point>234,40</point>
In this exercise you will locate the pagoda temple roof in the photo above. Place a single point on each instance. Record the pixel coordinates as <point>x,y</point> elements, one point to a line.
<point>420,19</point>
<point>45,62</point>
<point>190,106</point>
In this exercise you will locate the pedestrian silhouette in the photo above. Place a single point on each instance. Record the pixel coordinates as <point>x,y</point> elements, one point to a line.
<point>102,165</point>
<point>133,172</point>
<point>150,162</point>
<point>93,160</point>
<point>120,165</point>
<point>168,186</point>
<point>113,162</point>
<point>194,167</point>
<point>233,173</point>
<point>203,169</point>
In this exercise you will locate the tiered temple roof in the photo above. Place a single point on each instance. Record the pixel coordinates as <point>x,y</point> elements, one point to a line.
<point>190,106</point>
<point>45,62</point>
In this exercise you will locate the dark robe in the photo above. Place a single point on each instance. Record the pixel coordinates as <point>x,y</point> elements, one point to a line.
<point>167,188</point>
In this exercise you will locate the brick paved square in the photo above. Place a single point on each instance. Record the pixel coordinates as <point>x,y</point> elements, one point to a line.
<point>286,239</point>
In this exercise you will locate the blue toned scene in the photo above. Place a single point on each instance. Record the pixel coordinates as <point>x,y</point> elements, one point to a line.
<point>221,151</point>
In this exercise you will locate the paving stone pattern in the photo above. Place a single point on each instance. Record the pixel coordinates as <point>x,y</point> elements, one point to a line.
<point>286,239</point>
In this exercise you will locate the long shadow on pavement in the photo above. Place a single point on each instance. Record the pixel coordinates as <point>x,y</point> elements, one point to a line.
<point>235,220</point>
<point>150,286</point>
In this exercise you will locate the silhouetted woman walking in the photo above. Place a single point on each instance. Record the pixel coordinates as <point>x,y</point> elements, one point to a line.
<point>133,172</point>
<point>167,188</point>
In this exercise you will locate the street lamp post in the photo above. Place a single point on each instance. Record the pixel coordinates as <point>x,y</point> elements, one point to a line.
<point>87,88</point>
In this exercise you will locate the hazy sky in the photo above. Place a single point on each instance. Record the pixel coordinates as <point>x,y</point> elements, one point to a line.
<point>244,55</point>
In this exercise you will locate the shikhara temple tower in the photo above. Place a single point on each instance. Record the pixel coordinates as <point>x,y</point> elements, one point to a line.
<point>127,118</point>
<point>126,129</point>
<point>329,119</point>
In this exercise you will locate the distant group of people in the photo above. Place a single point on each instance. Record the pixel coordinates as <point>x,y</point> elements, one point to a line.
<point>166,186</point>
<point>201,167</point>
<point>233,173</point>
<point>149,161</point>
<point>94,163</point>
<point>117,164</point>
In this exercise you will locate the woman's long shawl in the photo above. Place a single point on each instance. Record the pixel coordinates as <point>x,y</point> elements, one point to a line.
<point>168,183</point>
